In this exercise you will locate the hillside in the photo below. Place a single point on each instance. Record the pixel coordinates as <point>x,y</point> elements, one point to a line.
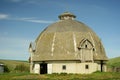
<point>27,76</point>
<point>114,62</point>
<point>11,64</point>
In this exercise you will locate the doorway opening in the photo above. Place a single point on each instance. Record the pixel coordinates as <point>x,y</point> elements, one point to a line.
<point>43,68</point>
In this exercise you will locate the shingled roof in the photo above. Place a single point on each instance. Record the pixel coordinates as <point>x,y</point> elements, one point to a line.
<point>60,40</point>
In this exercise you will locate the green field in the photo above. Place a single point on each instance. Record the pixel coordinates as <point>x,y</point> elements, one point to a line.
<point>62,76</point>
<point>114,62</point>
<point>25,75</point>
<point>11,64</point>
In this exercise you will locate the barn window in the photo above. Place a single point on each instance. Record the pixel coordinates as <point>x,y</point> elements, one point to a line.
<point>64,67</point>
<point>85,43</point>
<point>85,46</point>
<point>93,49</point>
<point>86,66</point>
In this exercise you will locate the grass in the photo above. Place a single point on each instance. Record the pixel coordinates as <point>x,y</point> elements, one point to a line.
<point>114,62</point>
<point>11,64</point>
<point>28,76</point>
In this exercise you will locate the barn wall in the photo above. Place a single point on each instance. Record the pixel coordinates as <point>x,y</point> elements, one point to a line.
<point>37,68</point>
<point>86,68</point>
<point>99,67</point>
<point>74,67</point>
<point>58,67</point>
<point>31,67</point>
<point>50,69</point>
<point>69,67</point>
<point>104,68</point>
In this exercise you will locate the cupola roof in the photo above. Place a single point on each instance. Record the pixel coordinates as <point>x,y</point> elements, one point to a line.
<point>66,15</point>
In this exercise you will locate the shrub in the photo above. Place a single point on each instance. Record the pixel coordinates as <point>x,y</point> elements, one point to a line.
<point>63,74</point>
<point>22,68</point>
<point>6,69</point>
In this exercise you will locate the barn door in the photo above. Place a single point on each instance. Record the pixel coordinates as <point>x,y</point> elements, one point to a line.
<point>43,68</point>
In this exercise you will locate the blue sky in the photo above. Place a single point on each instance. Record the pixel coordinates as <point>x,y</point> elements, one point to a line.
<point>21,21</point>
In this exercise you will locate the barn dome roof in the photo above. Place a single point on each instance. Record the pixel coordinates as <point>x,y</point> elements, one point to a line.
<point>62,40</point>
<point>67,22</point>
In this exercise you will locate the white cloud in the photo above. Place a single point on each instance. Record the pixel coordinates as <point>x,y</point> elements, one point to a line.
<point>38,21</point>
<point>25,1</point>
<point>32,19</point>
<point>3,16</point>
<point>27,19</point>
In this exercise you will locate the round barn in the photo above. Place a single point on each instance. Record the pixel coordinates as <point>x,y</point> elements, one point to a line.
<point>67,46</point>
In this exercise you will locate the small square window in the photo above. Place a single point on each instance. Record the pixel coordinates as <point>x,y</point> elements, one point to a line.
<point>86,66</point>
<point>85,46</point>
<point>93,49</point>
<point>64,67</point>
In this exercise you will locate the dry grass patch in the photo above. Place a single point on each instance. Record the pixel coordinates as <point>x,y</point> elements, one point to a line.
<point>28,77</point>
